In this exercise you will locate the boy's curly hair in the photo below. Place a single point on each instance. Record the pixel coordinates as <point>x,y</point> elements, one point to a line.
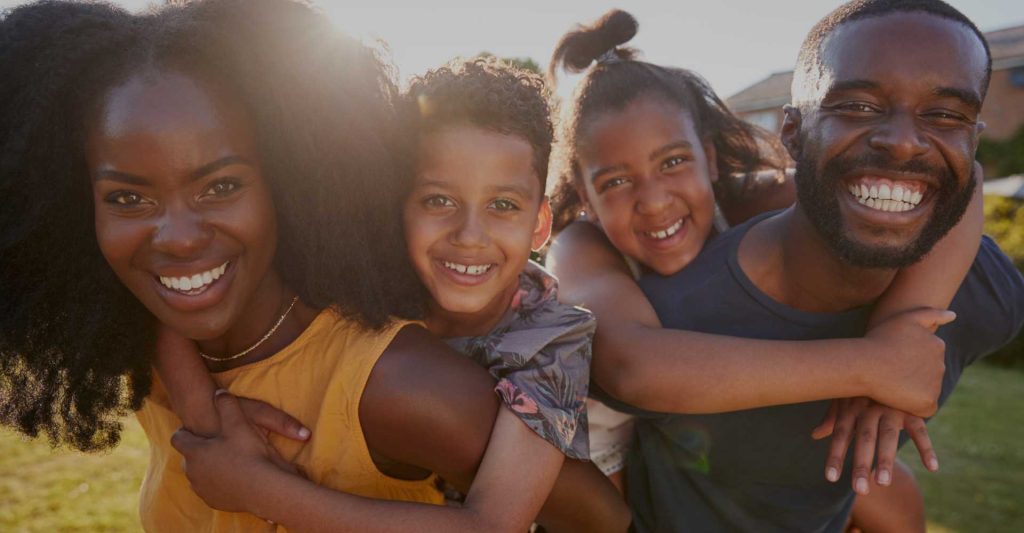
<point>488,93</point>
<point>75,345</point>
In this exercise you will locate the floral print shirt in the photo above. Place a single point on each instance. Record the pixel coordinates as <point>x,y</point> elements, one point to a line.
<point>540,354</point>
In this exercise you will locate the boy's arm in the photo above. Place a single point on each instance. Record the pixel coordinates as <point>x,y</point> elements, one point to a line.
<point>422,406</point>
<point>190,388</point>
<point>667,370</point>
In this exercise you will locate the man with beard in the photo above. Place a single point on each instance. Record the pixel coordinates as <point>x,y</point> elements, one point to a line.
<point>884,126</point>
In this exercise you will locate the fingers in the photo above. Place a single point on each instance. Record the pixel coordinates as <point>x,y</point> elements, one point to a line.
<point>888,442</point>
<point>841,434</point>
<point>919,434</point>
<point>272,419</point>
<point>185,441</point>
<point>930,318</point>
<point>230,411</point>
<point>824,429</point>
<point>864,450</point>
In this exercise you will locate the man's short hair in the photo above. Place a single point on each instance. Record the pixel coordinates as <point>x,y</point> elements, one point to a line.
<point>808,64</point>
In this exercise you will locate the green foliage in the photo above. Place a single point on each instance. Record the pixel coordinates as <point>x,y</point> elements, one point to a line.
<point>1003,158</point>
<point>1004,222</point>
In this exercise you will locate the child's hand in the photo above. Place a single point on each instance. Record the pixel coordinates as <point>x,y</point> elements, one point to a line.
<point>876,426</point>
<point>906,361</point>
<point>270,419</point>
<point>230,471</point>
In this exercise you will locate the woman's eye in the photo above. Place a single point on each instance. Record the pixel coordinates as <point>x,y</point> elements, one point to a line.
<point>504,204</point>
<point>611,183</point>
<point>125,199</point>
<point>221,188</point>
<point>438,201</point>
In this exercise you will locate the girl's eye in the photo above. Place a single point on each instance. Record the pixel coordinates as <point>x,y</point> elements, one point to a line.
<point>611,183</point>
<point>221,188</point>
<point>125,199</point>
<point>673,161</point>
<point>437,201</point>
<point>504,204</point>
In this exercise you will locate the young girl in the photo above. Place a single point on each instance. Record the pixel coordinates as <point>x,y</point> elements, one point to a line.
<point>649,150</point>
<point>225,170</point>
<point>481,136</point>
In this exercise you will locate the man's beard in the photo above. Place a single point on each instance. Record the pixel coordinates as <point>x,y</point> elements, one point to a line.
<point>818,199</point>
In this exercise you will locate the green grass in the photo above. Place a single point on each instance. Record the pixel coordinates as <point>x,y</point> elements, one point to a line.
<point>42,489</point>
<point>979,436</point>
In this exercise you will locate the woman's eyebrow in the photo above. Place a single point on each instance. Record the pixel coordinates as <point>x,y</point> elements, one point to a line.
<point>121,177</point>
<point>214,166</point>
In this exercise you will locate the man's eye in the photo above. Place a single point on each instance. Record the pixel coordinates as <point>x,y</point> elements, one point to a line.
<point>504,204</point>
<point>857,107</point>
<point>438,201</point>
<point>947,117</point>
<point>612,183</point>
<point>125,199</point>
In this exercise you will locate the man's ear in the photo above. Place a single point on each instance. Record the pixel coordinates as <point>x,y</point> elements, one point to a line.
<point>711,155</point>
<point>542,232</point>
<point>790,134</point>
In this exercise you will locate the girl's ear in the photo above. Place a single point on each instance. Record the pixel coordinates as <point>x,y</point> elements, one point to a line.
<point>712,157</point>
<point>542,232</point>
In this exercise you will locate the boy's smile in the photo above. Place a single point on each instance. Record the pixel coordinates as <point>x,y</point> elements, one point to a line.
<point>475,212</point>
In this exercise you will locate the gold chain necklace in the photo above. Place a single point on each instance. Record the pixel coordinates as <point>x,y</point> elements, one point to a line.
<point>258,343</point>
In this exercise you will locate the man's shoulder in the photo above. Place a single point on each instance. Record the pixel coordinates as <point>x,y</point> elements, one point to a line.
<point>989,304</point>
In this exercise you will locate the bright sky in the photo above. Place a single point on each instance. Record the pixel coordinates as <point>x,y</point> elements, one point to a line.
<point>732,43</point>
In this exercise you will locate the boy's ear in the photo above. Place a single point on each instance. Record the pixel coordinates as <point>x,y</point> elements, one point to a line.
<point>542,232</point>
<point>712,157</point>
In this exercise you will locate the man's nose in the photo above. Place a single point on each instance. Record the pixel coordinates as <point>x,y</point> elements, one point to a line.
<point>900,137</point>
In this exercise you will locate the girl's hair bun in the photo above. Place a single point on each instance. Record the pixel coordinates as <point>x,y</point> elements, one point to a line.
<point>585,44</point>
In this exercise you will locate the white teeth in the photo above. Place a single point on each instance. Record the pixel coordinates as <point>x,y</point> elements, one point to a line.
<point>873,191</point>
<point>916,198</point>
<point>472,270</point>
<point>884,192</point>
<point>896,198</point>
<point>667,232</point>
<point>864,191</point>
<point>195,281</point>
<point>897,193</point>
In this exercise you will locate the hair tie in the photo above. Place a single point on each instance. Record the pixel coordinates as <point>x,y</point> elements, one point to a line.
<point>609,57</point>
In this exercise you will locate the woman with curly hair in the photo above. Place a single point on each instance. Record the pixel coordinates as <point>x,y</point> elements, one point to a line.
<point>226,170</point>
<point>654,166</point>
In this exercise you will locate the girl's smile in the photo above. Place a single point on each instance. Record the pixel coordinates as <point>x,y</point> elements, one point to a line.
<point>647,180</point>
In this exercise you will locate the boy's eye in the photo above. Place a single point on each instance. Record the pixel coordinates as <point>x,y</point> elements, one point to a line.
<point>611,183</point>
<point>438,201</point>
<point>504,204</point>
<point>221,188</point>
<point>125,199</point>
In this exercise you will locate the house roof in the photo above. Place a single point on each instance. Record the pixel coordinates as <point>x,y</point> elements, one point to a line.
<point>1007,46</point>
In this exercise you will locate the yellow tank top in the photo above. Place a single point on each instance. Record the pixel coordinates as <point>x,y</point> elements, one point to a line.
<point>318,379</point>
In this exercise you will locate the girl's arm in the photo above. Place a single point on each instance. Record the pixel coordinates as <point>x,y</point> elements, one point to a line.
<point>423,406</point>
<point>637,361</point>
<point>933,281</point>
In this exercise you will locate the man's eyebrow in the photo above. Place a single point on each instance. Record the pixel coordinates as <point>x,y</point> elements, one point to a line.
<point>966,96</point>
<point>851,85</point>
<point>214,166</point>
<point>685,145</point>
<point>605,170</point>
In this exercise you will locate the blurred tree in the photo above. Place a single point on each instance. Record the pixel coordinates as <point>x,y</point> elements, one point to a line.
<point>1003,158</point>
<point>521,62</point>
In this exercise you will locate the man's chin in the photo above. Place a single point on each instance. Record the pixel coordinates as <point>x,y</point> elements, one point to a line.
<point>886,255</point>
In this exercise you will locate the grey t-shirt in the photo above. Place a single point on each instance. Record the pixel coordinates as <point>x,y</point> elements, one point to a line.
<point>759,469</point>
